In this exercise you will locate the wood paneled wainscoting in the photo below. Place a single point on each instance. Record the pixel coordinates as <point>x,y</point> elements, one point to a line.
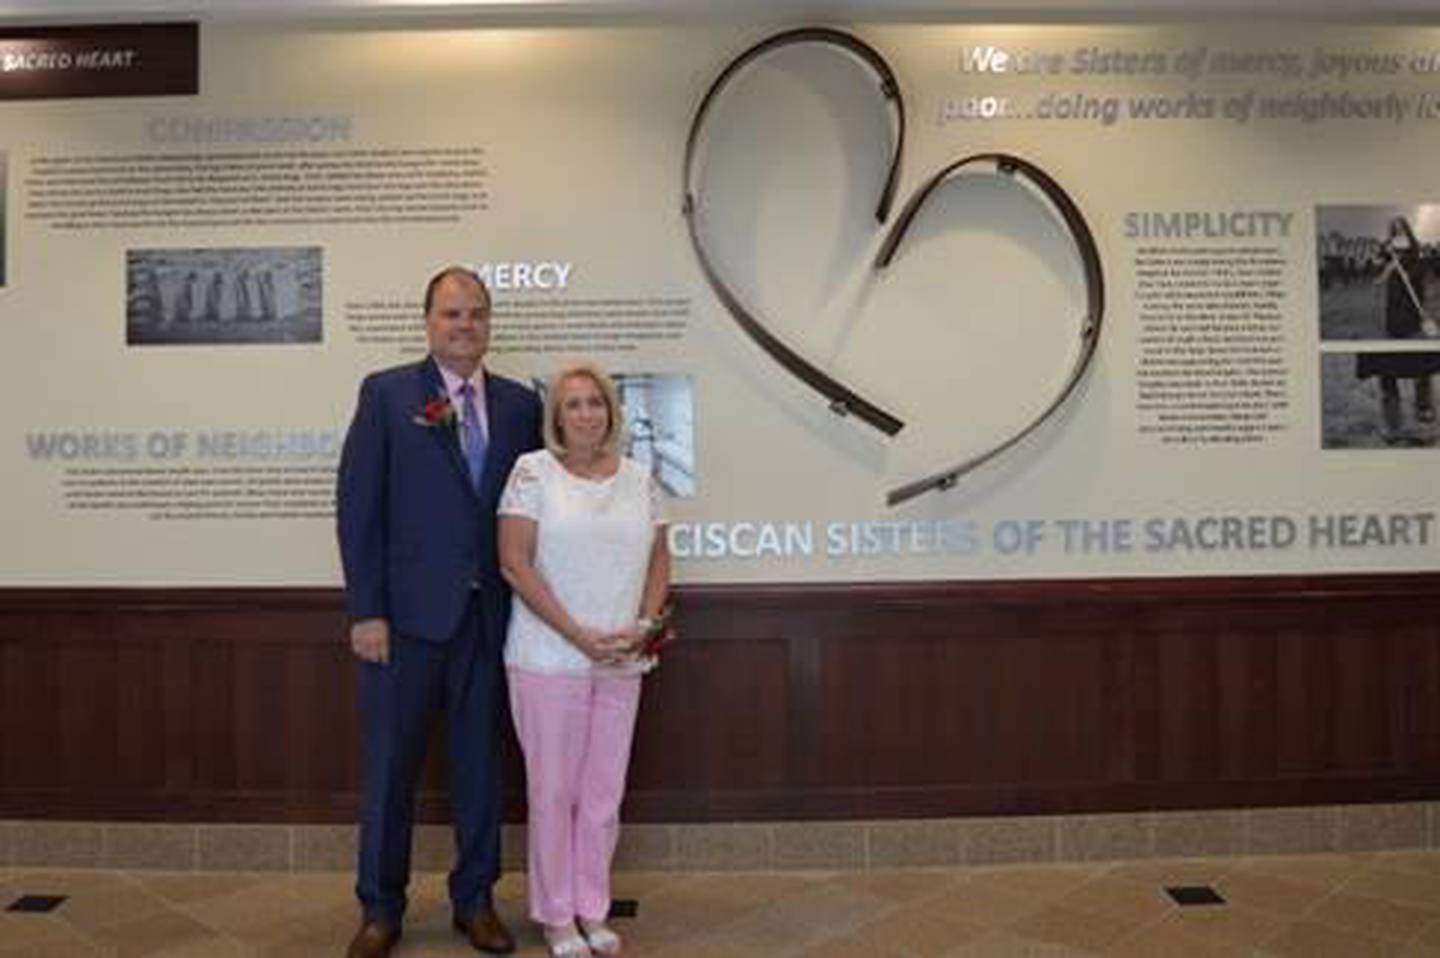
<point>780,703</point>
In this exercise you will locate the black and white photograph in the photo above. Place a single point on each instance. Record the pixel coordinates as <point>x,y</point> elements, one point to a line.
<point>660,426</point>
<point>1378,271</point>
<point>1381,399</point>
<point>223,296</point>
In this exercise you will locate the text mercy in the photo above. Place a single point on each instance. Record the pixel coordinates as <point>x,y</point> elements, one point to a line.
<point>540,274</point>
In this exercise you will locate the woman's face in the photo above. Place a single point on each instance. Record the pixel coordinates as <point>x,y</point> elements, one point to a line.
<point>584,418</point>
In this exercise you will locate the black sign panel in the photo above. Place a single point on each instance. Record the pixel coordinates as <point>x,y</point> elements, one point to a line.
<point>161,59</point>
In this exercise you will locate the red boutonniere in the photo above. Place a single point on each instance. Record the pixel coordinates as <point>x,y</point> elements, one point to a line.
<point>438,411</point>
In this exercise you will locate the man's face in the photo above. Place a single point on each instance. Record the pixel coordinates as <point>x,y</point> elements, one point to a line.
<point>458,324</point>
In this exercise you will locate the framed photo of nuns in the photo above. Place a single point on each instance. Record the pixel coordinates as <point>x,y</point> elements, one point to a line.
<point>1378,276</point>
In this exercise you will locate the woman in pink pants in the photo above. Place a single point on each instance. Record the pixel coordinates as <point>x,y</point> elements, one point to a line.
<point>582,543</point>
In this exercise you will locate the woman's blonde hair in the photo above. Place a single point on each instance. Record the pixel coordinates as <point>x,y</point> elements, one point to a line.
<point>554,435</point>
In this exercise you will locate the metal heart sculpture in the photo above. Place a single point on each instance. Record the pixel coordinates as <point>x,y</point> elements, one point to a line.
<point>844,400</point>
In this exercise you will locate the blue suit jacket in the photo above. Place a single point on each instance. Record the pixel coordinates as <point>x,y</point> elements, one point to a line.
<point>415,534</point>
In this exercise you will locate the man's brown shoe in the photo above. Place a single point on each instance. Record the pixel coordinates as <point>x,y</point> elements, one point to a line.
<point>373,940</point>
<point>486,932</point>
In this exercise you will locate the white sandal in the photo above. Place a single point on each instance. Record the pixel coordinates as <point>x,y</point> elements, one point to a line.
<point>566,943</point>
<point>602,940</point>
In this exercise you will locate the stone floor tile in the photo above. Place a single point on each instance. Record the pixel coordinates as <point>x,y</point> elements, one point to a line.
<point>1380,917</point>
<point>1404,887</point>
<point>1308,939</point>
<point>1010,945</point>
<point>1384,903</point>
<point>247,914</point>
<point>800,920</point>
<point>328,928</point>
<point>195,886</point>
<point>155,933</point>
<point>96,903</point>
<point>1428,937</point>
<point>1118,898</point>
<point>1423,862</point>
<point>851,946</point>
<point>984,904</point>
<point>740,890</point>
<point>1167,939</point>
<point>1069,928</point>
<point>1267,893</point>
<point>1228,923</point>
<point>902,885</point>
<point>68,944</point>
<point>1174,871</point>
<point>1040,882</point>
<point>19,931</point>
<point>65,881</point>
<point>1322,870</point>
<point>920,930</point>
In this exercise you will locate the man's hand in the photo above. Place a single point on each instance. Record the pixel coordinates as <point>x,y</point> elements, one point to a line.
<point>370,640</point>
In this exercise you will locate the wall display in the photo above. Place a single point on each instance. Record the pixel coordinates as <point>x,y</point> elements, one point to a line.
<point>842,399</point>
<point>659,426</point>
<point>194,286</point>
<point>107,60</point>
<point>223,296</point>
<point>1087,336</point>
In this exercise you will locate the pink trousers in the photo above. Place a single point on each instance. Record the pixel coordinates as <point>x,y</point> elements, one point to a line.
<point>575,731</point>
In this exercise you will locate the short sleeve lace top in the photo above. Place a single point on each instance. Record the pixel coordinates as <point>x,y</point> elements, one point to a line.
<point>592,547</point>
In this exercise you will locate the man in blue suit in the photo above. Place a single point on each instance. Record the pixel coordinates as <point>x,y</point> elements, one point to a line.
<point>424,462</point>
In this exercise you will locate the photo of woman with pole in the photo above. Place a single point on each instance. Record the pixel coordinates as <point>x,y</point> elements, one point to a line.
<point>1402,275</point>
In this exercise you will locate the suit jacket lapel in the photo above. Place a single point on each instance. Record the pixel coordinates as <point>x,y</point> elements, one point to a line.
<point>432,386</point>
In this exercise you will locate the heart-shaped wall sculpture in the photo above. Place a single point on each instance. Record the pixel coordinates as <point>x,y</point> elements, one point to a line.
<point>841,398</point>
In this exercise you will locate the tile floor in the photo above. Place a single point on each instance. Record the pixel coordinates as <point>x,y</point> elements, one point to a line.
<point>1381,903</point>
